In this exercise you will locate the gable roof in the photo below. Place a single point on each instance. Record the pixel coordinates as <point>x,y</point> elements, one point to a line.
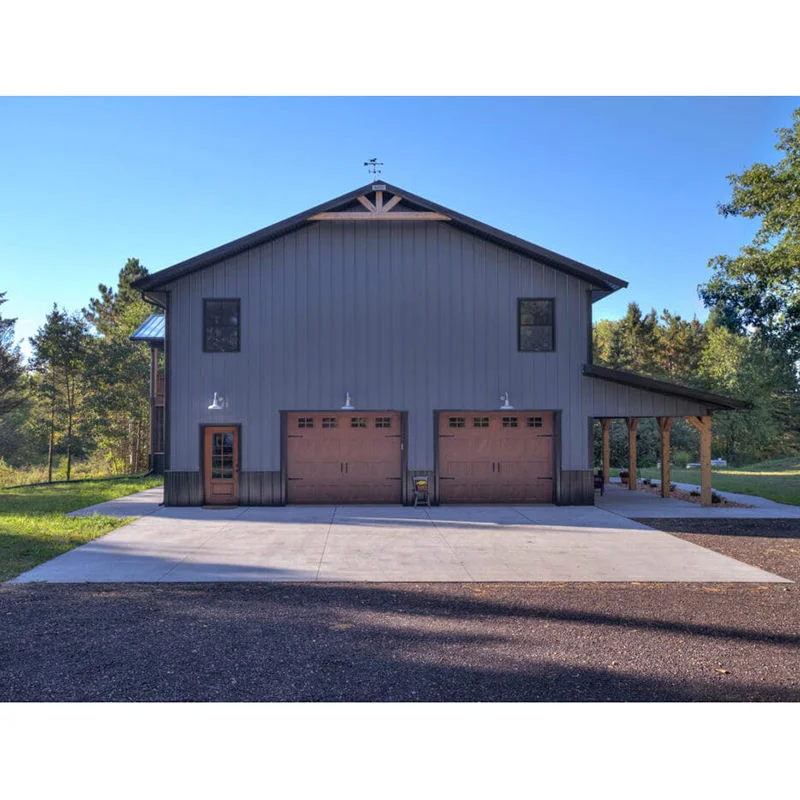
<point>603,282</point>
<point>715,402</point>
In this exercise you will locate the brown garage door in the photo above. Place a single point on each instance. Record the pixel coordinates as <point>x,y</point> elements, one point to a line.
<point>338,457</point>
<point>496,457</point>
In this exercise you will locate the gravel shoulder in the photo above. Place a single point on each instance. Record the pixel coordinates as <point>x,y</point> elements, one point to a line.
<point>417,642</point>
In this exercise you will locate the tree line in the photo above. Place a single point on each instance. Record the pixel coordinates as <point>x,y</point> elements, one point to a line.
<point>711,357</point>
<point>83,396</point>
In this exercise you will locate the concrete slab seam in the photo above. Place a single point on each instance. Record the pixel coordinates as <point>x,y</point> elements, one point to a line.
<point>325,543</point>
<point>459,561</point>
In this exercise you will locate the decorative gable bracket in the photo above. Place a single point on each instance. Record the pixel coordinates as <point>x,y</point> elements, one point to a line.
<point>375,209</point>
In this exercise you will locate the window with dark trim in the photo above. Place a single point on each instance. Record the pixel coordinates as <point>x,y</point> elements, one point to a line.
<point>329,422</point>
<point>510,422</point>
<point>480,422</point>
<point>358,422</point>
<point>457,422</point>
<point>221,326</point>
<point>383,422</point>
<point>305,422</point>
<point>534,422</point>
<point>536,318</point>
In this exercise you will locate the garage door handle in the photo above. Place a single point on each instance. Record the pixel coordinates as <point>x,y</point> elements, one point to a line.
<point>446,478</point>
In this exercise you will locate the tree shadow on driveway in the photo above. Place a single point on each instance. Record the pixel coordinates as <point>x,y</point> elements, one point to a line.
<point>398,642</point>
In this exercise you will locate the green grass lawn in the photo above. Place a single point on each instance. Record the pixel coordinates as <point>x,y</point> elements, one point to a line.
<point>777,480</point>
<point>34,526</point>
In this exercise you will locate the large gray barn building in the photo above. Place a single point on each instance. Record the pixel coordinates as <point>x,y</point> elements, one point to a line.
<point>337,355</point>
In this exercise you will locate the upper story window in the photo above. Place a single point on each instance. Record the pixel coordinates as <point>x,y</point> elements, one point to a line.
<point>536,318</point>
<point>221,326</point>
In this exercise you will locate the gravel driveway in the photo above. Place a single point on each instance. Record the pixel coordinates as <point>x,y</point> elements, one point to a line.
<point>417,641</point>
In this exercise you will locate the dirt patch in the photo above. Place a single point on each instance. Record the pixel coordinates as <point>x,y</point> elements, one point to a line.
<point>770,544</point>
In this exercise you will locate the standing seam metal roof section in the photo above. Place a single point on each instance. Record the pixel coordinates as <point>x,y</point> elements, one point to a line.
<point>604,281</point>
<point>151,330</point>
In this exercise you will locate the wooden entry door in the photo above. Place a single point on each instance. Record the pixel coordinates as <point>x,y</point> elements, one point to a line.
<point>221,465</point>
<point>344,457</point>
<point>495,457</point>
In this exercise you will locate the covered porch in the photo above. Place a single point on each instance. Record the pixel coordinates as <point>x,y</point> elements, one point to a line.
<point>704,404</point>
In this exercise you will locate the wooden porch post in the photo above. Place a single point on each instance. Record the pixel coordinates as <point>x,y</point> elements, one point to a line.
<point>605,426</point>
<point>703,425</point>
<point>632,423</point>
<point>665,426</point>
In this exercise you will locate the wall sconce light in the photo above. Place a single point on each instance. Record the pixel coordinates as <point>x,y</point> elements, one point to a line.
<point>348,405</point>
<point>216,403</point>
<point>506,405</point>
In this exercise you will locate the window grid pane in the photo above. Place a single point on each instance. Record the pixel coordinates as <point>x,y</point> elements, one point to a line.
<point>536,326</point>
<point>221,326</point>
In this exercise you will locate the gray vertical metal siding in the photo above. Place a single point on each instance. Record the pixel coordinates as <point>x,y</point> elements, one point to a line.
<point>408,316</point>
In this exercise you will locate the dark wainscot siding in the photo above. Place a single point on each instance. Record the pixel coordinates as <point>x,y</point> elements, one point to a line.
<point>183,488</point>
<point>576,487</point>
<point>260,489</point>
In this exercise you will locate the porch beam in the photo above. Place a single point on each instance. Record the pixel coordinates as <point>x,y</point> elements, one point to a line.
<point>703,426</point>
<point>633,424</point>
<point>665,426</point>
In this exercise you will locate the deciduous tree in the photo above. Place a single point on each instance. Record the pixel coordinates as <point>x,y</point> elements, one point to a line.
<point>759,289</point>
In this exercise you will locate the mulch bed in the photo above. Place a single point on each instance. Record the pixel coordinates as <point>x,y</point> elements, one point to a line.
<point>688,497</point>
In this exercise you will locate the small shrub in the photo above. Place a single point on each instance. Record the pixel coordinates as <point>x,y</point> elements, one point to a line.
<point>680,458</point>
<point>715,498</point>
<point>694,493</point>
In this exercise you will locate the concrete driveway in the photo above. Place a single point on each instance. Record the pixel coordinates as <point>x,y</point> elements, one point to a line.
<point>386,544</point>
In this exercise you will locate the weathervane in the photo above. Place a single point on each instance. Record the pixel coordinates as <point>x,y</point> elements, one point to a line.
<point>372,165</point>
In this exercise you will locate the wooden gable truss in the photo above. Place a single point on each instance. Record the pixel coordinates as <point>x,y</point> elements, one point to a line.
<point>376,210</point>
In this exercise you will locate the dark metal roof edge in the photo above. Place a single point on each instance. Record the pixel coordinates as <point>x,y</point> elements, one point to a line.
<point>662,387</point>
<point>241,244</point>
<point>481,229</point>
<point>602,279</point>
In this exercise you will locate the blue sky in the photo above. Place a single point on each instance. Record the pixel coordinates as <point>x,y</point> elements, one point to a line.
<point>627,185</point>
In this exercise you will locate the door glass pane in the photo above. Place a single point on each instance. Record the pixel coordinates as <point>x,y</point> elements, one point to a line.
<point>222,455</point>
